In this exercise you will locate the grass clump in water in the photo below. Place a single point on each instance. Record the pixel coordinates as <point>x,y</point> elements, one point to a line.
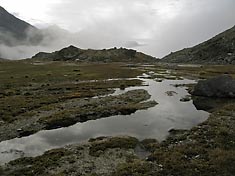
<point>117,142</point>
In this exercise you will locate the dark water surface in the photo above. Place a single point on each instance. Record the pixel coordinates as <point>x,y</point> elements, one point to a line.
<point>151,123</point>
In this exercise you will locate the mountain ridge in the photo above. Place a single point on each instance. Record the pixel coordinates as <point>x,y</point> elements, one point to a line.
<point>14,31</point>
<point>73,53</point>
<point>217,50</point>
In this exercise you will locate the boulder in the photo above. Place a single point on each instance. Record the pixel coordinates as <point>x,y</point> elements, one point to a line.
<point>222,87</point>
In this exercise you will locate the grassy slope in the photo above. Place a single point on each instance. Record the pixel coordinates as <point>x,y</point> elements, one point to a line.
<point>218,50</point>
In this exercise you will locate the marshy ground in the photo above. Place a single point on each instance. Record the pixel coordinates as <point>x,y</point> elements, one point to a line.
<point>36,96</point>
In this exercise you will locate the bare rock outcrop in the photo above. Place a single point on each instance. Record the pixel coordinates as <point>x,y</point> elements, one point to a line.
<point>221,87</point>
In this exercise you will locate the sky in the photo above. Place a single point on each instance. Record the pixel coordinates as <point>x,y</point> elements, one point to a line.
<point>156,27</point>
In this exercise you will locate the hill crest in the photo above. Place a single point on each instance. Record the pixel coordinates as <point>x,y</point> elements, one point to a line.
<point>217,50</point>
<point>73,53</point>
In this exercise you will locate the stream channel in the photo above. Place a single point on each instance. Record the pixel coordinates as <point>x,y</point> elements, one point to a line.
<point>155,122</point>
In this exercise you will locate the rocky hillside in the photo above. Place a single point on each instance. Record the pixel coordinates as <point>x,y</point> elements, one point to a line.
<point>14,31</point>
<point>2,60</point>
<point>73,53</point>
<point>218,50</point>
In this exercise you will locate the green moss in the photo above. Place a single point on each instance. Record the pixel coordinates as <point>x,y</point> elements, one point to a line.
<point>100,138</point>
<point>195,160</point>
<point>135,168</point>
<point>1,171</point>
<point>54,82</point>
<point>40,164</point>
<point>206,149</point>
<point>122,86</point>
<point>117,142</point>
<point>59,119</point>
<point>93,174</point>
<point>99,108</point>
<point>150,144</point>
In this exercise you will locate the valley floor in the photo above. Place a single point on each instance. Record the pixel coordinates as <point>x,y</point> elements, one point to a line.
<point>36,96</point>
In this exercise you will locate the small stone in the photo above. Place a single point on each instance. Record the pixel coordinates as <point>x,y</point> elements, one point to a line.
<point>185,99</point>
<point>171,93</point>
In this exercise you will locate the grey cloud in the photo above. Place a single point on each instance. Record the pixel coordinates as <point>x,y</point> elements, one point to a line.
<point>133,44</point>
<point>108,23</point>
<point>155,27</point>
<point>53,38</point>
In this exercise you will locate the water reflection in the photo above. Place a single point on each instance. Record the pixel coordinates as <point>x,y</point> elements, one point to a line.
<point>152,123</point>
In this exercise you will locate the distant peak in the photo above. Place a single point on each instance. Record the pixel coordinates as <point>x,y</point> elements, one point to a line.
<point>2,9</point>
<point>18,29</point>
<point>72,53</point>
<point>71,46</point>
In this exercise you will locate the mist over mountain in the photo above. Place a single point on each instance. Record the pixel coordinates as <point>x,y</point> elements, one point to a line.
<point>19,39</point>
<point>14,31</point>
<point>218,50</point>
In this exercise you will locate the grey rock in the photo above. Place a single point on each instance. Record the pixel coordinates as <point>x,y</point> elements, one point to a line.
<point>222,86</point>
<point>170,93</point>
<point>185,99</point>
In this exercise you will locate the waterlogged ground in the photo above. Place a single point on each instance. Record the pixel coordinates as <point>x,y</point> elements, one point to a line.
<point>155,122</point>
<point>205,147</point>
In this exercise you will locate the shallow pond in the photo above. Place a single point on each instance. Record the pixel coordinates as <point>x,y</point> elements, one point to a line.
<point>151,123</point>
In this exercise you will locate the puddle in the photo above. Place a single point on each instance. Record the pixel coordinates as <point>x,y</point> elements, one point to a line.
<point>151,123</point>
<point>190,65</point>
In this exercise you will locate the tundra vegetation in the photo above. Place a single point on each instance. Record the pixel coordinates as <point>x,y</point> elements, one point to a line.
<point>44,94</point>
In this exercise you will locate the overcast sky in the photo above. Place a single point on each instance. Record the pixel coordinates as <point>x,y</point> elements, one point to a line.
<point>155,27</point>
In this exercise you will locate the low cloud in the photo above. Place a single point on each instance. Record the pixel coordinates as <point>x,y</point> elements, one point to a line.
<point>155,27</point>
<point>163,26</point>
<point>133,44</point>
<point>54,38</point>
<point>48,40</point>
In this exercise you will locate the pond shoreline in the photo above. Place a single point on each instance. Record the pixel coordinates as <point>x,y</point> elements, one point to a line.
<point>52,120</point>
<point>117,156</point>
<point>152,123</point>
